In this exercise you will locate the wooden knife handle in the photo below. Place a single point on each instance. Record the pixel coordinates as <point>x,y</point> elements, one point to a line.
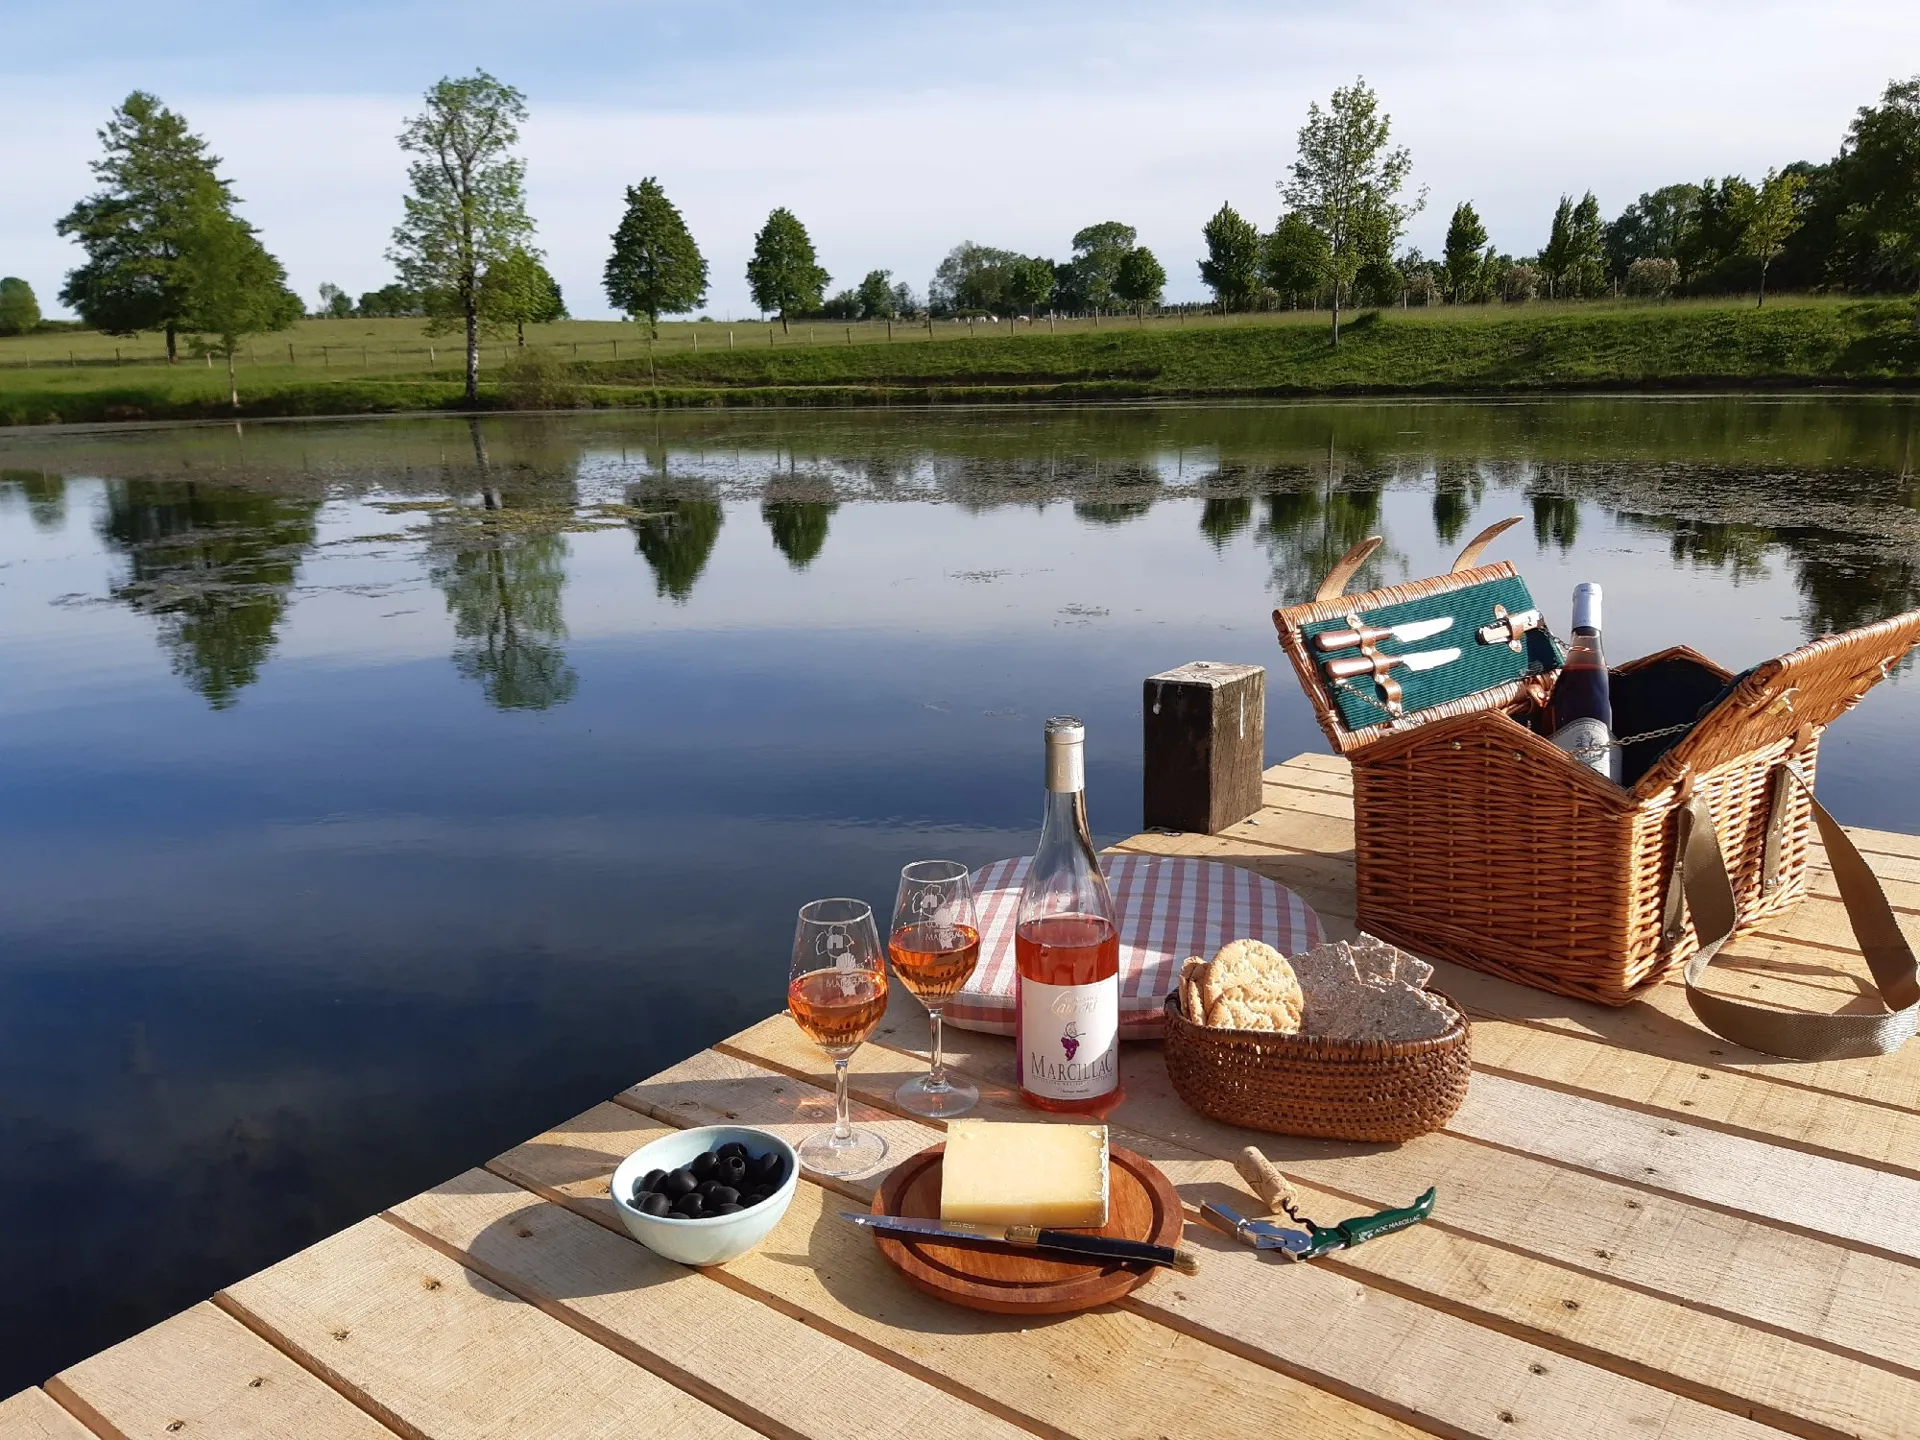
<point>1358,665</point>
<point>1345,639</point>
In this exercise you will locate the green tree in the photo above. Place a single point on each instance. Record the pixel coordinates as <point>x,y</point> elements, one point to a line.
<point>1294,258</point>
<point>1346,183</point>
<point>656,268</point>
<point>1141,278</point>
<point>1554,255</point>
<point>1575,257</point>
<point>233,288</point>
<point>1650,228</point>
<point>1876,185</point>
<point>19,310</point>
<point>516,290</point>
<point>798,527</point>
<point>467,210</point>
<point>1030,284</point>
<point>783,274</point>
<point>1710,255</point>
<point>1097,253</point>
<point>876,296</point>
<point>390,302</point>
<point>976,277</point>
<point>1232,267</point>
<point>1768,220</point>
<point>335,303</point>
<point>157,185</point>
<point>1465,253</point>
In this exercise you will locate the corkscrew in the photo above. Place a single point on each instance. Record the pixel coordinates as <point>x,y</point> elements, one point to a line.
<point>1312,1240</point>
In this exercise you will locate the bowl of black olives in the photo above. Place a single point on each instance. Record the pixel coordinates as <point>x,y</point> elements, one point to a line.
<point>706,1196</point>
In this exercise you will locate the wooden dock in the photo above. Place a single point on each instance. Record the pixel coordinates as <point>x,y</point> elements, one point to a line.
<point>1641,1230</point>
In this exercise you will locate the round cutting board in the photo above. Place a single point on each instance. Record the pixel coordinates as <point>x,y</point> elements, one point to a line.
<point>1141,1205</point>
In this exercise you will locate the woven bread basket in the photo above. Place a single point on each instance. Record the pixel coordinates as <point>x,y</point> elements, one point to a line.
<point>1326,1089</point>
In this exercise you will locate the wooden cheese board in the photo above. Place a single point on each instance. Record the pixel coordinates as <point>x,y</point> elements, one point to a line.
<point>1141,1205</point>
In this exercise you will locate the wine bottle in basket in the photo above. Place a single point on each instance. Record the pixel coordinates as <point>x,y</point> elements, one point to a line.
<point>1067,949</point>
<point>1579,716</point>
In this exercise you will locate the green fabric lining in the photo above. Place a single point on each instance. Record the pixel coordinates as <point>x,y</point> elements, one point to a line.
<point>1480,667</point>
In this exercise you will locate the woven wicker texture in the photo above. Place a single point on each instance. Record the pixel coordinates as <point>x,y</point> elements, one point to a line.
<point>1478,841</point>
<point>1481,667</point>
<point>1301,1085</point>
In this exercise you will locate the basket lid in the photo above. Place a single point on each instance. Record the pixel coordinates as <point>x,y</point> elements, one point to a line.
<point>1808,689</point>
<point>1478,610</point>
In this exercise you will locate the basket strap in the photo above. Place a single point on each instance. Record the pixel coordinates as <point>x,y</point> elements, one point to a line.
<point>1700,884</point>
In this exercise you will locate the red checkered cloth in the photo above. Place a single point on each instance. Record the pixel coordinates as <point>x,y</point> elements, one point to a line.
<point>1169,908</point>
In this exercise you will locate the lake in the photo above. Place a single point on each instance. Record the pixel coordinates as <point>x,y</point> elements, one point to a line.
<point>375,794</point>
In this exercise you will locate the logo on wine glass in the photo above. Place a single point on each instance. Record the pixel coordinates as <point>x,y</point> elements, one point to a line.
<point>837,948</point>
<point>1070,1039</point>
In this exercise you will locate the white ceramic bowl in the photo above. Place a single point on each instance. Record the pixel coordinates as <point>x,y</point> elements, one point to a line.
<point>712,1239</point>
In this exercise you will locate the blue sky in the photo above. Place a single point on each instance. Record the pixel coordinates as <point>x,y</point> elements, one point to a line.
<point>895,131</point>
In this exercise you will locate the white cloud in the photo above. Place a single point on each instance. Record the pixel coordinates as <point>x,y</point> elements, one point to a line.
<point>1155,124</point>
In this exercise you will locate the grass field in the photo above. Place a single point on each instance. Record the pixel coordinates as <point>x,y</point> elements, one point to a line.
<point>366,366</point>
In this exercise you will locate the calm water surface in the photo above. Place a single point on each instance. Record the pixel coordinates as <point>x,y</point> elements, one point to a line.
<point>374,795</point>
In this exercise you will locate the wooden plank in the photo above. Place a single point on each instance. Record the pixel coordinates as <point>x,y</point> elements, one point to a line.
<point>31,1415</point>
<point>1672,1340</point>
<point>1853,1302</point>
<point>1428,1365</point>
<point>203,1373</point>
<point>1060,1376</point>
<point>436,1350</point>
<point>665,1317</point>
<point>1852,1202</point>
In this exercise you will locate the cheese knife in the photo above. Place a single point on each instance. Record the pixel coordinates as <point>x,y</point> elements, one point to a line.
<point>1063,1244</point>
<point>1361,665</point>
<point>1406,634</point>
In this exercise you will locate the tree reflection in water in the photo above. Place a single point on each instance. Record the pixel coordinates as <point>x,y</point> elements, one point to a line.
<point>1308,528</point>
<point>675,535</point>
<point>215,567</point>
<point>501,569</point>
<point>798,527</point>
<point>46,496</point>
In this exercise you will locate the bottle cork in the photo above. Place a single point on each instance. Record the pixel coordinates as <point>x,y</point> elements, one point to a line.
<point>1266,1181</point>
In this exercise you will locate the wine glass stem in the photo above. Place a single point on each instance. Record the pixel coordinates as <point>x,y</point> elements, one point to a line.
<point>937,1071</point>
<point>842,1125</point>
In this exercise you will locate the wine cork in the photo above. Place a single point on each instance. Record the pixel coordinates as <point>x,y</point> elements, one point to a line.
<point>1267,1182</point>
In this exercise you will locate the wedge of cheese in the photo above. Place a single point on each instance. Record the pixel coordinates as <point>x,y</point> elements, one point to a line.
<point>998,1173</point>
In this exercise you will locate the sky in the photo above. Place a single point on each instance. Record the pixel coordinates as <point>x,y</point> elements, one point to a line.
<point>896,131</point>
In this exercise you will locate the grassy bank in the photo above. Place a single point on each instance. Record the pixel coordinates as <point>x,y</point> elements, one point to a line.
<point>363,370</point>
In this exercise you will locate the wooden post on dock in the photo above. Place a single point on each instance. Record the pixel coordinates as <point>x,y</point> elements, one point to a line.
<point>1204,727</point>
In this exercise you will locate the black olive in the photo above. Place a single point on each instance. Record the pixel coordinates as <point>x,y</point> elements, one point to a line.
<point>650,1182</point>
<point>762,1168</point>
<point>655,1204</point>
<point>706,1188</point>
<point>690,1206</point>
<point>731,1170</point>
<point>723,1195</point>
<point>732,1147</point>
<point>702,1165</point>
<point>751,1198</point>
<point>678,1182</point>
<point>727,1209</point>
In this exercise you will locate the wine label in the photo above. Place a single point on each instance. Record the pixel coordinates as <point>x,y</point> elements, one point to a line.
<point>1070,1039</point>
<point>1591,743</point>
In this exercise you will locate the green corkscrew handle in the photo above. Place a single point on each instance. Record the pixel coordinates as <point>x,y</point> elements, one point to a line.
<point>1368,1227</point>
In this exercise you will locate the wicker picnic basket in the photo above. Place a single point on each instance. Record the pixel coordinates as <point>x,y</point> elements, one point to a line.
<point>1328,1089</point>
<point>1477,840</point>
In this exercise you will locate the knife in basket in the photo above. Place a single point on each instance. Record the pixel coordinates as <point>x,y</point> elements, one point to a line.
<point>1372,635</point>
<point>1361,665</point>
<point>1059,1243</point>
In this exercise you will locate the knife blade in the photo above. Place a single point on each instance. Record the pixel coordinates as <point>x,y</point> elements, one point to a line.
<point>1060,1243</point>
<point>1372,635</point>
<point>1423,660</point>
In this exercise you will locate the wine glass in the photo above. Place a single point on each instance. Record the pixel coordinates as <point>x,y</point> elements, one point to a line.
<point>836,993</point>
<point>935,942</point>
